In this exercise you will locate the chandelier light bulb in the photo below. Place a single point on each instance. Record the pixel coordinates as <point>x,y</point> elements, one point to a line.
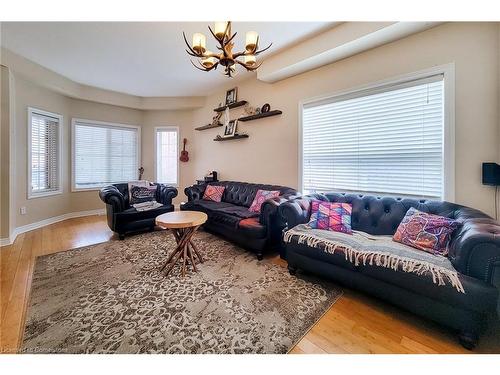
<point>251,40</point>
<point>250,60</point>
<point>199,42</point>
<point>220,29</point>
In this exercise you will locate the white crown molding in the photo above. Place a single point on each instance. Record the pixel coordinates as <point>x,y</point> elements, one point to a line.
<point>47,78</point>
<point>39,224</point>
<point>342,41</point>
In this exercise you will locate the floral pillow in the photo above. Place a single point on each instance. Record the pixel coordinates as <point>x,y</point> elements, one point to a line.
<point>331,216</point>
<point>260,197</point>
<point>214,193</point>
<point>427,232</point>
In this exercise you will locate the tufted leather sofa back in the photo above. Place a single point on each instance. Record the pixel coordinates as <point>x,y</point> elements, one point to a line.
<point>382,215</point>
<point>243,193</point>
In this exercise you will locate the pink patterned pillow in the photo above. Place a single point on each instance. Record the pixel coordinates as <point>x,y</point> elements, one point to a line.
<point>214,193</point>
<point>427,232</point>
<point>260,197</point>
<point>331,216</point>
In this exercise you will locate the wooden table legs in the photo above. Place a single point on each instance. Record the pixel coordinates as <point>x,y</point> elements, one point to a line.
<point>183,251</point>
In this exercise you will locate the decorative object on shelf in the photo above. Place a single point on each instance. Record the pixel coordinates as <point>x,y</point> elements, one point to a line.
<point>231,96</point>
<point>248,110</point>
<point>236,136</point>
<point>211,176</point>
<point>230,128</point>
<point>257,111</point>
<point>216,119</point>
<point>141,172</point>
<point>265,108</point>
<point>209,61</point>
<point>274,112</point>
<point>184,154</point>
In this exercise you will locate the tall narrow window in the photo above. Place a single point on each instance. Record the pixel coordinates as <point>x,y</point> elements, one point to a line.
<point>386,140</point>
<point>104,153</point>
<point>44,159</point>
<point>167,155</point>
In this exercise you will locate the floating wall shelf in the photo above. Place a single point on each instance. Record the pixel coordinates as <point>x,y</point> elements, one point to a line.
<point>209,126</point>
<point>233,105</point>
<point>276,112</point>
<point>236,136</point>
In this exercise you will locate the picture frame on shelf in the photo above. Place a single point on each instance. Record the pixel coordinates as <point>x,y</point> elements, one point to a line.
<point>232,96</point>
<point>230,128</point>
<point>216,119</point>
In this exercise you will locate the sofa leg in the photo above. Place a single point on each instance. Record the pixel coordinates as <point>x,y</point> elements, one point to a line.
<point>121,236</point>
<point>292,270</point>
<point>260,256</point>
<point>468,339</point>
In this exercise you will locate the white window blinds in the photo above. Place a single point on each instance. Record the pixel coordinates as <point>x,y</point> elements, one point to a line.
<point>167,155</point>
<point>104,154</point>
<point>388,140</point>
<point>44,152</point>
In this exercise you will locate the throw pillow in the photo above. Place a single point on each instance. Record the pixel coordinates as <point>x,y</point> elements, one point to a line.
<point>140,194</point>
<point>136,183</point>
<point>331,216</point>
<point>214,193</point>
<point>260,197</point>
<point>427,232</point>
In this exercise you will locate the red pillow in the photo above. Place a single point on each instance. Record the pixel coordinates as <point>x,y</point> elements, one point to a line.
<point>427,232</point>
<point>260,197</point>
<point>213,193</point>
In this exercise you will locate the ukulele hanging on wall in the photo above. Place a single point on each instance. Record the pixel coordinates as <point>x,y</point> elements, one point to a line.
<point>184,154</point>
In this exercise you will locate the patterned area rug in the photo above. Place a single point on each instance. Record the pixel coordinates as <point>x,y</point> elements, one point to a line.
<point>111,298</point>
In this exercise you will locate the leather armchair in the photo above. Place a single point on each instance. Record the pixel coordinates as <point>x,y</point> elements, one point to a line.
<point>474,253</point>
<point>123,218</point>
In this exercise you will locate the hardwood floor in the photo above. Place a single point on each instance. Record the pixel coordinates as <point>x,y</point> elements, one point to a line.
<point>356,323</point>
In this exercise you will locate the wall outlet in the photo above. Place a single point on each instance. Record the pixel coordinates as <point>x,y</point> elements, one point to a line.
<point>23,210</point>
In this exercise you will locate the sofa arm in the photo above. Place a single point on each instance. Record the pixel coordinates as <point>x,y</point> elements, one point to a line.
<point>165,194</point>
<point>112,196</point>
<point>295,211</point>
<point>475,249</point>
<point>195,192</point>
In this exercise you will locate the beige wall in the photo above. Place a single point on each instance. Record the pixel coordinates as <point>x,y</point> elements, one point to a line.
<point>270,155</point>
<point>4,152</point>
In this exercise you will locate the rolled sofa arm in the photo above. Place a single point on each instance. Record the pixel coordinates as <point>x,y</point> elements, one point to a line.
<point>112,196</point>
<point>165,194</point>
<point>295,211</point>
<point>195,192</point>
<point>475,249</point>
<point>269,208</point>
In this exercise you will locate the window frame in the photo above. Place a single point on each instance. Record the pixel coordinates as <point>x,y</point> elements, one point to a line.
<point>30,193</point>
<point>448,72</point>
<point>104,124</point>
<point>155,142</point>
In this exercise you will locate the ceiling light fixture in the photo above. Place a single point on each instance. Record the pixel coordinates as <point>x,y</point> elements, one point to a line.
<point>222,33</point>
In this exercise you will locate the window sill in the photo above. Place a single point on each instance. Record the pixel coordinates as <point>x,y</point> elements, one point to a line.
<point>32,195</point>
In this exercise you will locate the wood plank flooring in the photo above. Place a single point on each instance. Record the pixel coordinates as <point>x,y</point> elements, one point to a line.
<point>356,323</point>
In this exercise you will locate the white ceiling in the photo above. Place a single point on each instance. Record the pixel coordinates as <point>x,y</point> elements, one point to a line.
<point>138,58</point>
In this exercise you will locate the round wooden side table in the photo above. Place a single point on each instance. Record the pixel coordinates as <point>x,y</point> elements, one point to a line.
<point>183,225</point>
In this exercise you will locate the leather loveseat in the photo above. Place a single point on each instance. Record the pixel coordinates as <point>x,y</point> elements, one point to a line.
<point>123,218</point>
<point>232,219</point>
<point>474,254</point>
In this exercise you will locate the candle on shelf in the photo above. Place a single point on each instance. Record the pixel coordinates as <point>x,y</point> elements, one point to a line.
<point>220,29</point>
<point>208,62</point>
<point>250,60</point>
<point>199,42</point>
<point>251,40</point>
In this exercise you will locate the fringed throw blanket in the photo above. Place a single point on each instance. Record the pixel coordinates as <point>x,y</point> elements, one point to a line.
<point>361,248</point>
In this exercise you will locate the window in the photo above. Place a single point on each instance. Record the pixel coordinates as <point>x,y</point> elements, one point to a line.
<point>104,153</point>
<point>167,155</point>
<point>387,140</point>
<point>44,154</point>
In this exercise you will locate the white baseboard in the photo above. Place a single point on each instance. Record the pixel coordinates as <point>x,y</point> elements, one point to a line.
<point>51,220</point>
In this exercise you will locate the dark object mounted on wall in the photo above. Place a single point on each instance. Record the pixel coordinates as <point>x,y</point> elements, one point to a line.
<point>491,174</point>
<point>184,154</point>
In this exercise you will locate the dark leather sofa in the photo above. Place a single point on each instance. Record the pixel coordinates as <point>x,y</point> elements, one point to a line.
<point>123,218</point>
<point>474,253</point>
<point>232,219</point>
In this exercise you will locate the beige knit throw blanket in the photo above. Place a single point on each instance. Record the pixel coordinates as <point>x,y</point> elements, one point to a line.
<point>362,248</point>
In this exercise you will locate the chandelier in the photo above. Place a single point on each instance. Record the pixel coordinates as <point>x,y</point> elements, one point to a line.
<point>226,57</point>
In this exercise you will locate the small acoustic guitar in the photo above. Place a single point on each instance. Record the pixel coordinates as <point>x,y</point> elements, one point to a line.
<point>184,154</point>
